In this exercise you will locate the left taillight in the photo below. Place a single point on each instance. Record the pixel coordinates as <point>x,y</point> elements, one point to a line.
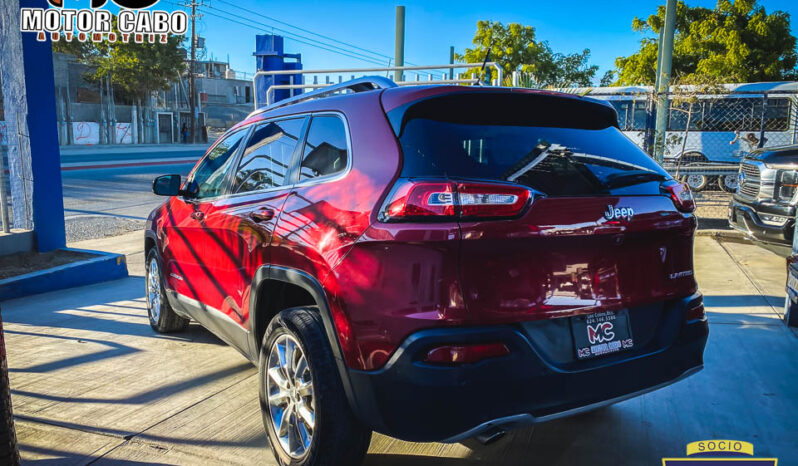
<point>441,200</point>
<point>681,196</point>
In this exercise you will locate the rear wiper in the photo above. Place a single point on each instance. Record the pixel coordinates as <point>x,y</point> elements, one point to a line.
<point>633,177</point>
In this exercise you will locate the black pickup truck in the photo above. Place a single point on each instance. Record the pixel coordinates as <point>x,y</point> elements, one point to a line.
<point>764,205</point>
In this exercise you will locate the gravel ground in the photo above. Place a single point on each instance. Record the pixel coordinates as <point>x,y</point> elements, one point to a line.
<point>99,226</point>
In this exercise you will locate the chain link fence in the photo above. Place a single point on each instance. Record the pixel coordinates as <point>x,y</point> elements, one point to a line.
<point>709,134</point>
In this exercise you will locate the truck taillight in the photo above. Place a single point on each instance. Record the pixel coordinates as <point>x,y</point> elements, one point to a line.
<point>681,196</point>
<point>419,200</point>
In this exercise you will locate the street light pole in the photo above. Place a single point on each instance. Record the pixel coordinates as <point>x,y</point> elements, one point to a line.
<point>451,62</point>
<point>192,91</point>
<point>399,43</point>
<point>663,75</point>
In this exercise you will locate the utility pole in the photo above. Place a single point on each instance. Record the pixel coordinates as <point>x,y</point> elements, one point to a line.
<point>192,90</point>
<point>399,49</point>
<point>663,78</point>
<point>651,106</point>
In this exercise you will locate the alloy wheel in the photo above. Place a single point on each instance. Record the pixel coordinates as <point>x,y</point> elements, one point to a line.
<point>289,391</point>
<point>154,291</point>
<point>730,182</point>
<point>696,182</point>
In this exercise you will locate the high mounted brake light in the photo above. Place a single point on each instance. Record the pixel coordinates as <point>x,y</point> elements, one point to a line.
<point>681,196</point>
<point>419,200</point>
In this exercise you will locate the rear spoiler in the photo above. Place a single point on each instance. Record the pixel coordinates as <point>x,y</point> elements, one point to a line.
<point>507,109</point>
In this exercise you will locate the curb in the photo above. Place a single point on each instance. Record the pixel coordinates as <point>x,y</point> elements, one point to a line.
<point>128,163</point>
<point>722,234</point>
<point>106,266</point>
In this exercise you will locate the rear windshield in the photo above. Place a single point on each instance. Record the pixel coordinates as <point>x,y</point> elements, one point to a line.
<point>588,158</point>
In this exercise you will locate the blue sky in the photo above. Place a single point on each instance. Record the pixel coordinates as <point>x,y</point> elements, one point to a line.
<point>431,26</point>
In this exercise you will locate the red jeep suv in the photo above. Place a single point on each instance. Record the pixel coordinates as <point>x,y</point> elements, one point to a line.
<point>431,262</point>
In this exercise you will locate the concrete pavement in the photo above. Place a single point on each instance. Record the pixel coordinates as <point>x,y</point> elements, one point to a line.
<point>92,382</point>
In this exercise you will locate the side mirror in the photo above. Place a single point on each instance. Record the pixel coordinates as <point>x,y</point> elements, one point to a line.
<point>166,185</point>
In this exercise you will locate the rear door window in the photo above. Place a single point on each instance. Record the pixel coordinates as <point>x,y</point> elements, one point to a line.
<point>326,148</point>
<point>267,158</point>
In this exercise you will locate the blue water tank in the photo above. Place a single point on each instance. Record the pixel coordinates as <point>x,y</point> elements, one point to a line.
<point>270,56</point>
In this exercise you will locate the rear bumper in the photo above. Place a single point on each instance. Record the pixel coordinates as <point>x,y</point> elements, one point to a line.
<point>540,380</point>
<point>745,218</point>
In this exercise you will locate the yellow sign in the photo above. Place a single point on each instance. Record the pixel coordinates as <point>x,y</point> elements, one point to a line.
<point>711,446</point>
<point>719,453</point>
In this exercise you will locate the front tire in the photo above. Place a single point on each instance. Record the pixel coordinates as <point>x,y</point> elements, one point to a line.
<point>305,411</point>
<point>163,318</point>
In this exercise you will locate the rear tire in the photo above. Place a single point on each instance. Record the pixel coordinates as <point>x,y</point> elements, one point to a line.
<point>728,183</point>
<point>298,378</point>
<point>696,182</point>
<point>163,318</point>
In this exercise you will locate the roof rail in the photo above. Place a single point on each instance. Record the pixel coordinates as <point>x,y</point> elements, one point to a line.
<point>366,83</point>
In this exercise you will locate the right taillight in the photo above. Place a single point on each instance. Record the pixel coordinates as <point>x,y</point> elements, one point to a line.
<point>440,200</point>
<point>681,196</point>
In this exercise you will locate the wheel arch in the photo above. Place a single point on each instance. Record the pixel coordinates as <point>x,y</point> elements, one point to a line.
<point>692,155</point>
<point>149,242</point>
<point>299,287</point>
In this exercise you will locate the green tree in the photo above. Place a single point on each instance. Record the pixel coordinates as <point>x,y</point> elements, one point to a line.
<point>515,48</point>
<point>737,41</point>
<point>135,69</point>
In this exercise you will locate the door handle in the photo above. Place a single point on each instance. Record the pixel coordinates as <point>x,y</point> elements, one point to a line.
<point>261,215</point>
<point>197,215</point>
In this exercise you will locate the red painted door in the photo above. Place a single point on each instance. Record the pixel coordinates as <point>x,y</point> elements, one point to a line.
<point>195,233</point>
<point>245,219</point>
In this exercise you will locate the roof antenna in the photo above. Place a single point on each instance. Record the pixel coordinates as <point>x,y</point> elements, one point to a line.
<point>485,62</point>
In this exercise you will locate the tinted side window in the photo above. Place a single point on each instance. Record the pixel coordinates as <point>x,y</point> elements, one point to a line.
<point>777,115</point>
<point>680,113</point>
<point>325,149</point>
<point>210,173</point>
<point>640,115</point>
<point>267,157</point>
<point>624,110</point>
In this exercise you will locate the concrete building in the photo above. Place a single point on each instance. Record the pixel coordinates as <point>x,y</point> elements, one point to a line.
<point>90,113</point>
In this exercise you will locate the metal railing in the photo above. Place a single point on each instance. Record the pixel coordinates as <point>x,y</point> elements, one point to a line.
<point>342,71</point>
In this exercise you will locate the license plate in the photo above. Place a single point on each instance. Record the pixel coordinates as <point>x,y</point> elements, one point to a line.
<point>601,333</point>
<point>792,283</point>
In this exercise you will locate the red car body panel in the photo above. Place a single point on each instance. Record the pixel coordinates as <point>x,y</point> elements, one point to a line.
<point>385,281</point>
<point>563,258</point>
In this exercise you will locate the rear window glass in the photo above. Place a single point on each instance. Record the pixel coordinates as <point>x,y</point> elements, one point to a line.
<point>557,161</point>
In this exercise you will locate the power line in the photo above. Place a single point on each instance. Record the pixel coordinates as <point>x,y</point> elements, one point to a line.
<point>312,32</point>
<point>299,38</point>
<point>309,31</point>
<point>265,27</point>
<point>261,29</point>
<point>289,34</point>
